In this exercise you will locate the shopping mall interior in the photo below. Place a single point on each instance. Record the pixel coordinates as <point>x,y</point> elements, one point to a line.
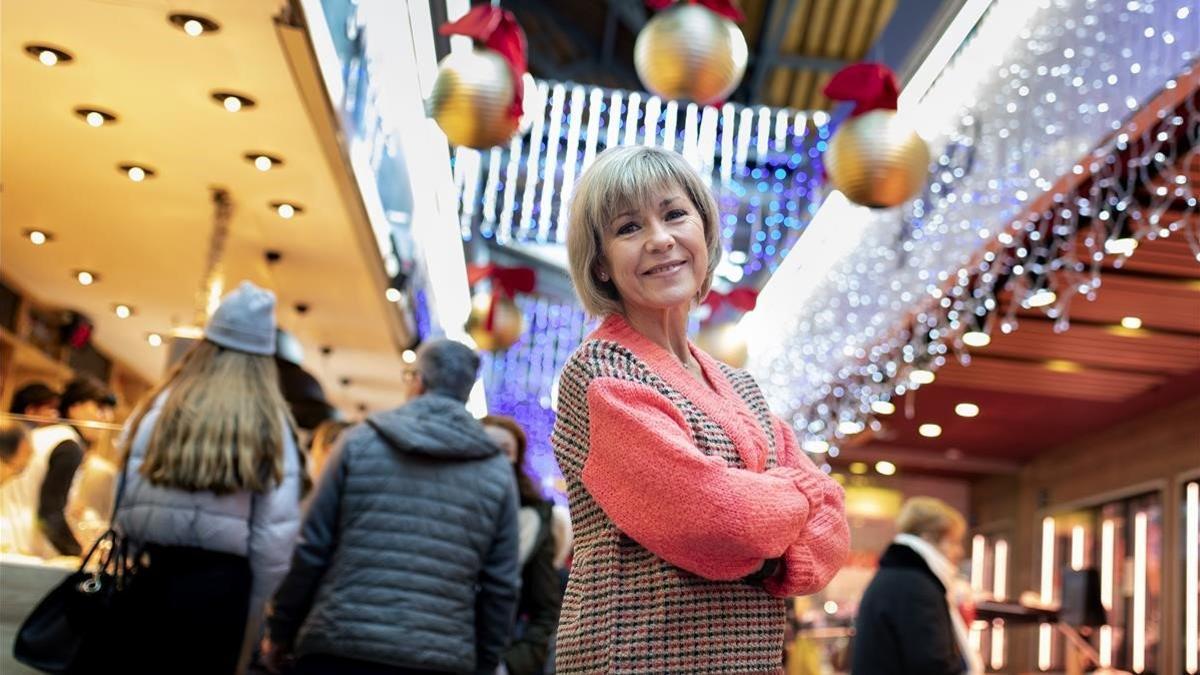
<point>988,292</point>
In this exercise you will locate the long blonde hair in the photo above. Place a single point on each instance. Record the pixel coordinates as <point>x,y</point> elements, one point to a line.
<point>221,426</point>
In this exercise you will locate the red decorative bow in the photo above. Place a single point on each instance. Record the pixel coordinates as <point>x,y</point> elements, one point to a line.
<point>498,30</point>
<point>872,86</point>
<point>744,299</point>
<point>506,282</point>
<point>725,8</point>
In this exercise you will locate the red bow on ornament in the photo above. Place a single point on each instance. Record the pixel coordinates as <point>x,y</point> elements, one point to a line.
<point>506,282</point>
<point>498,30</point>
<point>872,86</point>
<point>744,299</point>
<point>725,8</point>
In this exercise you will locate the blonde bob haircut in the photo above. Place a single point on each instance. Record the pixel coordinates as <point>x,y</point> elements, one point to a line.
<point>929,518</point>
<point>624,178</point>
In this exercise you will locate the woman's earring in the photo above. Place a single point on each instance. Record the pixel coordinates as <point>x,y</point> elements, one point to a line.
<point>603,276</point>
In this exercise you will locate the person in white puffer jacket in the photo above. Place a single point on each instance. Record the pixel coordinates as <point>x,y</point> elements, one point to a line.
<point>212,492</point>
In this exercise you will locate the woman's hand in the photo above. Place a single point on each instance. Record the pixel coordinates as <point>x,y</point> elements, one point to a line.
<point>274,657</point>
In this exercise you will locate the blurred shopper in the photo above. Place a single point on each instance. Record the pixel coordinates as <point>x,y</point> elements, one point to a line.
<point>407,561</point>
<point>35,399</point>
<point>908,622</point>
<point>15,455</point>
<point>58,452</point>
<point>15,450</point>
<point>325,436</point>
<point>541,597</point>
<point>695,511</point>
<point>212,490</point>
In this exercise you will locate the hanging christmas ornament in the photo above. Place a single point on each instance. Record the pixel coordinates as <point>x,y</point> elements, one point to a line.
<point>875,158</point>
<point>496,323</point>
<point>724,340</point>
<point>691,51</point>
<point>478,96</point>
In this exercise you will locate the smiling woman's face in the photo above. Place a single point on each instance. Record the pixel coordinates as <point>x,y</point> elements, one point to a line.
<point>655,253</point>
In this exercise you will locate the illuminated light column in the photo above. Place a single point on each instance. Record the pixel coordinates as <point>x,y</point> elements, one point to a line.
<point>1045,631</point>
<point>595,100</point>
<point>570,161</point>
<point>978,552</point>
<point>1192,579</point>
<point>1107,529</point>
<point>631,116</point>
<point>532,169</point>
<point>1077,537</point>
<point>614,119</point>
<point>1139,592</point>
<point>670,125</point>
<point>653,111</point>
<point>545,218</point>
<point>728,125</point>
<point>1000,573</point>
<point>510,189</point>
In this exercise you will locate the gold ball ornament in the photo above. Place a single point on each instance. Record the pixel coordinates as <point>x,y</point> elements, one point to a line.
<point>690,52</point>
<point>877,160</point>
<point>725,343</point>
<point>471,99</point>
<point>508,324</point>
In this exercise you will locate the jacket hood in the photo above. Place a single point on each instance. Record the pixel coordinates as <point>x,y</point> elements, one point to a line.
<point>434,426</point>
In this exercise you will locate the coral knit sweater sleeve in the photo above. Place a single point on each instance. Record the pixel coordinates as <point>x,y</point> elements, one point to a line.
<point>810,563</point>
<point>691,509</point>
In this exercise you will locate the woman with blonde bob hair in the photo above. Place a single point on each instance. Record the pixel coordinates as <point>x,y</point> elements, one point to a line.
<point>695,511</point>
<point>211,492</point>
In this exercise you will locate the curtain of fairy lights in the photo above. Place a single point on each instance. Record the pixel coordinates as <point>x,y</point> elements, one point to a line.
<point>760,162</point>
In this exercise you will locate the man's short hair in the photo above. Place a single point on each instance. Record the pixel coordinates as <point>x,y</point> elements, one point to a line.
<point>82,390</point>
<point>33,395</point>
<point>447,368</point>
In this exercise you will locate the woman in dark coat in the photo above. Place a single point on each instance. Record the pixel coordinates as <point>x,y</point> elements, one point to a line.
<point>908,622</point>
<point>541,594</point>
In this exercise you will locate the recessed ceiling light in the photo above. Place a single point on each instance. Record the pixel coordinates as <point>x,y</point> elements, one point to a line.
<point>231,101</point>
<point>193,24</point>
<point>1063,366</point>
<point>136,172</point>
<point>95,117</point>
<point>47,55</point>
<point>930,430</point>
<point>393,295</point>
<point>86,278</point>
<point>883,407</point>
<point>262,161</point>
<point>885,468</point>
<point>154,339</point>
<point>1041,298</point>
<point>1122,246</point>
<point>409,356</point>
<point>38,237</point>
<point>966,410</point>
<point>976,338</point>
<point>286,209</point>
<point>1131,322</point>
<point>122,311</point>
<point>922,376</point>
<point>858,468</point>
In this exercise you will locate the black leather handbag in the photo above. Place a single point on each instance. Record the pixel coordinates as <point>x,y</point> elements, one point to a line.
<point>70,630</point>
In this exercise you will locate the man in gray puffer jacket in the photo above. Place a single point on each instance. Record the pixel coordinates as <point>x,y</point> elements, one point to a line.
<point>407,561</point>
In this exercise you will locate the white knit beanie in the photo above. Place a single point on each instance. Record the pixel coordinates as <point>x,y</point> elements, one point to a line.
<point>245,321</point>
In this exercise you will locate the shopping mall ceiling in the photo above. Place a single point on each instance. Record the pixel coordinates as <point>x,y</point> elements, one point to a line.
<point>147,242</point>
<point>795,45</point>
<point>1133,348</point>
